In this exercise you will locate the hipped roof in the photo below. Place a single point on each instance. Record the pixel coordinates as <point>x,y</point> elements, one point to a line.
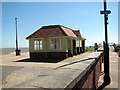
<point>53,31</point>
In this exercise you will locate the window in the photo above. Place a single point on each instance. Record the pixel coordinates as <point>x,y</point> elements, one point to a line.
<point>77,43</point>
<point>37,44</point>
<point>55,43</point>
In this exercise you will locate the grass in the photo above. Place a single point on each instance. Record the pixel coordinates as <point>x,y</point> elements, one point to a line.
<point>89,49</point>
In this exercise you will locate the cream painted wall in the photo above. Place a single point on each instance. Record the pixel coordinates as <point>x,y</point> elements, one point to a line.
<point>69,43</point>
<point>46,45</point>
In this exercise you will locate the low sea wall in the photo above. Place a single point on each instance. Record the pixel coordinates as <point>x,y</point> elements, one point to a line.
<point>80,71</point>
<point>91,76</point>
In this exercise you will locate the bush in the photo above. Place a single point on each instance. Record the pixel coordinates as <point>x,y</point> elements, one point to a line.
<point>117,49</point>
<point>89,49</point>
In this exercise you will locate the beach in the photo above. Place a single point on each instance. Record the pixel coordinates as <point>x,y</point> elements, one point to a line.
<point>5,51</point>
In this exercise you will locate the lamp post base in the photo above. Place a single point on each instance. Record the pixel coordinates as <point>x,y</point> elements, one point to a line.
<point>17,52</point>
<point>107,79</point>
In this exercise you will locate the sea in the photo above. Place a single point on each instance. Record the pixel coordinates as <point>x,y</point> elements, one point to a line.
<point>5,51</point>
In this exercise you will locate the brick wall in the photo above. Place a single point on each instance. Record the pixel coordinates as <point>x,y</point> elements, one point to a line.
<point>91,77</point>
<point>40,55</point>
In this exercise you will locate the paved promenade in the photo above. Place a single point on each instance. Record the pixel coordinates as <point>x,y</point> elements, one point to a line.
<point>114,69</point>
<point>19,72</point>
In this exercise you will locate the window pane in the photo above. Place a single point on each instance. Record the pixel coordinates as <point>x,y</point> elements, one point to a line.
<point>52,40</point>
<point>34,42</point>
<point>80,43</point>
<point>52,43</point>
<point>40,46</point>
<point>40,42</point>
<point>37,44</point>
<point>35,47</point>
<point>77,43</point>
<point>55,43</point>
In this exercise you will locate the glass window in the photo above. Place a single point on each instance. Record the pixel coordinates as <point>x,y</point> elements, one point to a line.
<point>77,43</point>
<point>55,43</point>
<point>37,44</point>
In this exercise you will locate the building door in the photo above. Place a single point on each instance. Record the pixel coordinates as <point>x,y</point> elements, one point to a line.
<point>74,44</point>
<point>74,47</point>
<point>83,46</point>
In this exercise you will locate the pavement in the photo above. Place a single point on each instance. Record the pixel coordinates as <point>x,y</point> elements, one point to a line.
<point>16,72</point>
<point>114,70</point>
<point>19,73</point>
<point>7,70</point>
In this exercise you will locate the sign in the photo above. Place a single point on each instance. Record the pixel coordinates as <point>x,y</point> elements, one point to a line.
<point>105,12</point>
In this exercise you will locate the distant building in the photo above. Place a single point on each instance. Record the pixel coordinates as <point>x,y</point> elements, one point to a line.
<point>55,41</point>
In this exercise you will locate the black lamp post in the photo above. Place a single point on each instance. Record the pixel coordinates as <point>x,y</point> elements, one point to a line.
<point>106,48</point>
<point>17,50</point>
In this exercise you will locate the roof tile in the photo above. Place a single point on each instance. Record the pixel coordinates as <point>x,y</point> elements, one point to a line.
<point>54,31</point>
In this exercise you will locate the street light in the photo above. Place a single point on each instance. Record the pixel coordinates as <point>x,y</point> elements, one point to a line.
<point>17,50</point>
<point>106,48</point>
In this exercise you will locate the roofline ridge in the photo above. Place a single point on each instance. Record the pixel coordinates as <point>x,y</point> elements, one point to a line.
<point>77,30</point>
<point>50,26</point>
<point>62,30</point>
<point>67,27</point>
<point>58,25</point>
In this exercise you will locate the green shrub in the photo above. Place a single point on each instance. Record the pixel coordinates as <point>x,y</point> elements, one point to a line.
<point>117,49</point>
<point>89,49</point>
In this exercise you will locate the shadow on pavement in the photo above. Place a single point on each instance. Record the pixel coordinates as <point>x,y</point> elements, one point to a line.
<point>75,62</point>
<point>45,60</point>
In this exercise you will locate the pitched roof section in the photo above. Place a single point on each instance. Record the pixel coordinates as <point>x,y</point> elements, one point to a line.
<point>47,32</point>
<point>82,38</point>
<point>52,31</point>
<point>77,33</point>
<point>68,31</point>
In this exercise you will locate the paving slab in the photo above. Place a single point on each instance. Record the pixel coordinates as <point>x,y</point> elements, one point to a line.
<point>113,70</point>
<point>7,70</point>
<point>64,74</point>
